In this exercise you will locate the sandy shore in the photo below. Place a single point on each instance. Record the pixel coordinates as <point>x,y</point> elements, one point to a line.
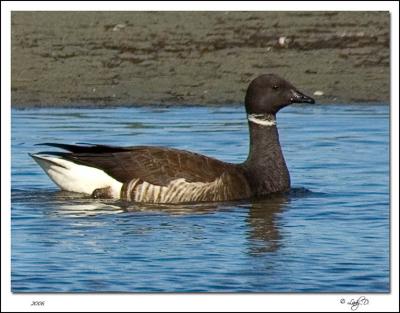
<point>129,58</point>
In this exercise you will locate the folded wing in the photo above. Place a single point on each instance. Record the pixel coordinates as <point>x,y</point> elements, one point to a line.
<point>158,166</point>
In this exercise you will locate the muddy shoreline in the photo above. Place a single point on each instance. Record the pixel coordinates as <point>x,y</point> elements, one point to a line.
<point>198,58</point>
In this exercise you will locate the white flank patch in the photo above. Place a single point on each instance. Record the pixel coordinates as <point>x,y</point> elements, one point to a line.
<point>258,119</point>
<point>73,177</point>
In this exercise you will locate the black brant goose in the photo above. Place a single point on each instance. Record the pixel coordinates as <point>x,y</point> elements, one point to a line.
<point>166,175</point>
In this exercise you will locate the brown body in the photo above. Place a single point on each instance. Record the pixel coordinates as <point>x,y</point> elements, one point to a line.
<point>177,176</point>
<point>164,175</point>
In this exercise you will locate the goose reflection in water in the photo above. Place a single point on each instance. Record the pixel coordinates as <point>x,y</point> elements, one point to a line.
<point>260,215</point>
<point>264,234</point>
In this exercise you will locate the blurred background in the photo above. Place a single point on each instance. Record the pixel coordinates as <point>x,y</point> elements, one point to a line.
<point>131,58</point>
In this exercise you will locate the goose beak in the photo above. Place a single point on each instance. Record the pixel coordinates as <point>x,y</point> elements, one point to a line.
<point>298,97</point>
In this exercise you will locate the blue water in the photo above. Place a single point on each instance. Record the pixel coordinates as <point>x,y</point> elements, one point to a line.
<point>330,234</point>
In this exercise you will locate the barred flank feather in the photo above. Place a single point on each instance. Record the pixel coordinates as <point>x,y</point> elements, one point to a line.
<point>181,191</point>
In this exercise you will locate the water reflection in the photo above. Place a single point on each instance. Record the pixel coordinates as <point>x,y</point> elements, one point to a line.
<point>82,206</point>
<point>264,235</point>
<point>260,219</point>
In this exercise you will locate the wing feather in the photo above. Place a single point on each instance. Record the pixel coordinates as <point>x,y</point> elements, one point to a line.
<point>155,165</point>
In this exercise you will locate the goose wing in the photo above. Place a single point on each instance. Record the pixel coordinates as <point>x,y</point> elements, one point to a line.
<point>155,165</point>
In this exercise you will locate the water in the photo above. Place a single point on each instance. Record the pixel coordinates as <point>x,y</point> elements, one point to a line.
<point>330,234</point>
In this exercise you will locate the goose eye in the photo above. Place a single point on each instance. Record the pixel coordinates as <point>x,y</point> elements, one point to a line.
<point>275,87</point>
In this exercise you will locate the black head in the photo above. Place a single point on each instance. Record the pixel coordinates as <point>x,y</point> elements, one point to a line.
<point>269,93</point>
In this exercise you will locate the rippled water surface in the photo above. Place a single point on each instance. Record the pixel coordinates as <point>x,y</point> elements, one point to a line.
<point>330,234</point>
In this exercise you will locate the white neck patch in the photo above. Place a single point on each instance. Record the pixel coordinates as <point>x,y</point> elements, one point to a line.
<point>262,119</point>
